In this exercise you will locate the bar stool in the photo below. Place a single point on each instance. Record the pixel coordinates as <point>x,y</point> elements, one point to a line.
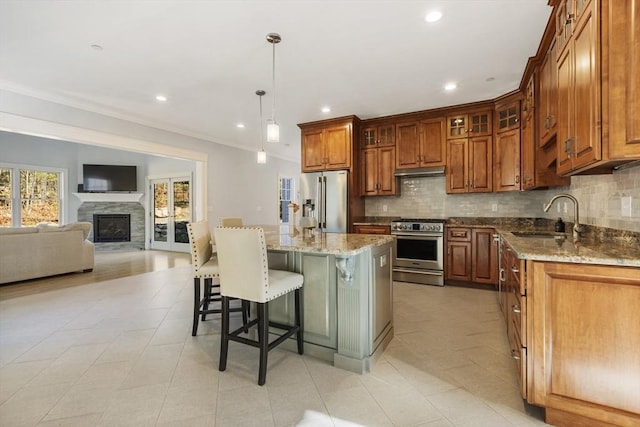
<point>231,222</point>
<point>204,265</point>
<point>245,274</point>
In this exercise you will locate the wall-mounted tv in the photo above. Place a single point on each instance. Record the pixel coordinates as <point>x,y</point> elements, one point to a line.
<point>103,178</point>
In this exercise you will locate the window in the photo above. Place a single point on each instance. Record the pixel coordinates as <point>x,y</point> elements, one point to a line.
<point>286,192</point>
<point>29,195</point>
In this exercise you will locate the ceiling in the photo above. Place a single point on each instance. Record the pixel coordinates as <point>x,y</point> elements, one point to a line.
<point>208,57</point>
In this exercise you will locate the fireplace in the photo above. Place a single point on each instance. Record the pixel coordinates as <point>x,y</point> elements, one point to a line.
<point>111,228</point>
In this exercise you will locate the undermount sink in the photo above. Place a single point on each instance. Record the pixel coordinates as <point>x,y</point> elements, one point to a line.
<point>538,234</point>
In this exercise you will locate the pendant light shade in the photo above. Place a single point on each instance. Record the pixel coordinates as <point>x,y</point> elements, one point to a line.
<point>262,155</point>
<point>273,130</point>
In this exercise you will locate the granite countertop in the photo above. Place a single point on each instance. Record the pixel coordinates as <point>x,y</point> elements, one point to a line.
<point>597,246</point>
<point>285,238</point>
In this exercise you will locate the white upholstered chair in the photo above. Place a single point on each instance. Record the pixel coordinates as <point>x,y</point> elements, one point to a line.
<point>245,274</point>
<point>204,265</point>
<point>231,222</point>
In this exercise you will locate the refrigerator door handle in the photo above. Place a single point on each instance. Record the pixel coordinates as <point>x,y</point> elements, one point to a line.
<point>324,202</point>
<point>320,195</point>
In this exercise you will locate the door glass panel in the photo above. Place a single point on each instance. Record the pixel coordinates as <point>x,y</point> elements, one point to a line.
<point>181,211</point>
<point>160,212</point>
<point>38,197</point>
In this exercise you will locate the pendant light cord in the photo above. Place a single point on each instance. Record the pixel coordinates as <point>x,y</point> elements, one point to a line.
<point>273,81</point>
<point>261,130</point>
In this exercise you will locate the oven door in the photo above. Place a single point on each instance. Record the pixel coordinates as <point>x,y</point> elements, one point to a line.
<point>419,251</point>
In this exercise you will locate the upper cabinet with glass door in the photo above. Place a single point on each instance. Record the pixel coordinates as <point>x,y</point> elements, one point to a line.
<point>469,125</point>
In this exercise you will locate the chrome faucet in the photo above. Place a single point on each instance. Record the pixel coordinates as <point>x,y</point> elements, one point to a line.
<point>577,228</point>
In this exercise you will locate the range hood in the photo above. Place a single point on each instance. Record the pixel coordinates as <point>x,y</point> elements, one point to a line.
<point>416,172</point>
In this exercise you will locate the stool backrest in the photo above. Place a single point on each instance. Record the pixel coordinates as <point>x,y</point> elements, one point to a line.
<point>231,222</point>
<point>199,243</point>
<point>242,259</point>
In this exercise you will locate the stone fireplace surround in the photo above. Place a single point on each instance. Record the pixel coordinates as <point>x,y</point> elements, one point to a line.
<point>114,203</point>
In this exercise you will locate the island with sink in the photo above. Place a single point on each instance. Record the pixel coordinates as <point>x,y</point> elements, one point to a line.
<point>347,294</point>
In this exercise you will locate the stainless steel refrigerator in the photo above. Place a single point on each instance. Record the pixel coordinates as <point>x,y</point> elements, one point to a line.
<point>324,195</point>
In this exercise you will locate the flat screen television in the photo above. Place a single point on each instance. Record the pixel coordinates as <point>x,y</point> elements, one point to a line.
<point>103,178</point>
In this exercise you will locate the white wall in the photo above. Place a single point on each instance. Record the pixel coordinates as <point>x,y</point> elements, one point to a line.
<point>236,185</point>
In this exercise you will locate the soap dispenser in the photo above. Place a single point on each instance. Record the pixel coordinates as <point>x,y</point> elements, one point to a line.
<point>559,226</point>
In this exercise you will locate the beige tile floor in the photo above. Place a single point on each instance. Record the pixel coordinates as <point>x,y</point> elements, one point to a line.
<point>119,351</point>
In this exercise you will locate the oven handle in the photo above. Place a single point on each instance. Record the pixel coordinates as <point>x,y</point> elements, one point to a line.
<point>416,236</point>
<point>425,272</point>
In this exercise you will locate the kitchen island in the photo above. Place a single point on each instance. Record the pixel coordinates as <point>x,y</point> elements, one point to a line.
<point>347,293</point>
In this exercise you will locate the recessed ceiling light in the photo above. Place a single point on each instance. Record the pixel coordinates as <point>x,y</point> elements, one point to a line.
<point>240,125</point>
<point>434,16</point>
<point>490,79</point>
<point>161,98</point>
<point>326,110</point>
<point>450,86</point>
<point>96,47</point>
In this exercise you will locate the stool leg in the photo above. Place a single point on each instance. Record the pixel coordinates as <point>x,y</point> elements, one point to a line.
<point>196,305</point>
<point>224,336</point>
<point>207,296</point>
<point>245,315</point>
<point>263,338</point>
<point>299,318</point>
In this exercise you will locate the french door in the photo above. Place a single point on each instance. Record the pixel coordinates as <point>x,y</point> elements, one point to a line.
<point>170,213</point>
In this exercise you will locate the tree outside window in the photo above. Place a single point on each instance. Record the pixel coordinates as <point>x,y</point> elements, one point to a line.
<point>285,192</point>
<point>5,198</point>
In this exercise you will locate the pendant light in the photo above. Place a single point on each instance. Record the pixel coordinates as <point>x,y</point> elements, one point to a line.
<point>262,155</point>
<point>273,130</point>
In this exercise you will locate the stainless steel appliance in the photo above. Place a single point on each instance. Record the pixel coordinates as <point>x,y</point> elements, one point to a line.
<point>419,254</point>
<point>324,196</point>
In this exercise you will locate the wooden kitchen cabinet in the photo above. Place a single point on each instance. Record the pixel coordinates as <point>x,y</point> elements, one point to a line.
<point>378,135</point>
<point>328,145</point>
<point>470,165</point>
<point>458,265</point>
<point>472,255</point>
<point>548,97</point>
<point>477,123</point>
<point>584,336</point>
<point>598,115</point>
<point>484,256</point>
<point>506,163</point>
<point>377,169</point>
<point>372,229</point>
<point>421,144</point>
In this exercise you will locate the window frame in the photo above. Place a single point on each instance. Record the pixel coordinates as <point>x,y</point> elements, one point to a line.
<point>16,200</point>
<point>292,195</point>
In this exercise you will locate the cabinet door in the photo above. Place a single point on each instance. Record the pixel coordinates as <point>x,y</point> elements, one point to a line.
<point>312,150</point>
<point>369,137</point>
<point>623,66</point>
<point>338,147</point>
<point>527,138</point>
<point>480,164</point>
<point>370,172</point>
<point>565,109</point>
<point>432,142</point>
<point>457,126</point>
<point>386,135</point>
<point>484,262</point>
<point>320,300</point>
<point>480,124</point>
<point>407,145</point>
<point>386,171</point>
<point>507,161</point>
<point>586,114</point>
<point>458,261</point>
<point>456,171</point>
<point>548,100</point>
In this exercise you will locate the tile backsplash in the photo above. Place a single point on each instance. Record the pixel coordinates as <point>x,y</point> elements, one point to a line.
<point>605,200</point>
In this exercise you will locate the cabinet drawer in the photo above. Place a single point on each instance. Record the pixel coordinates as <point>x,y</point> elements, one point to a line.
<point>518,315</point>
<point>372,229</point>
<point>459,234</point>
<point>519,355</point>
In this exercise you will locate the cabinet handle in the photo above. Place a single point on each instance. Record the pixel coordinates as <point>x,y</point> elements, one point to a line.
<point>515,308</point>
<point>570,17</point>
<point>515,355</point>
<point>501,275</point>
<point>515,269</point>
<point>517,179</point>
<point>459,234</point>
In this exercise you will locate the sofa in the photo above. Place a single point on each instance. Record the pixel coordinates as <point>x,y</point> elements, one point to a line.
<point>44,250</point>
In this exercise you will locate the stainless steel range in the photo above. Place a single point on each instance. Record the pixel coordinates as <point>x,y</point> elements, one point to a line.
<point>419,254</point>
